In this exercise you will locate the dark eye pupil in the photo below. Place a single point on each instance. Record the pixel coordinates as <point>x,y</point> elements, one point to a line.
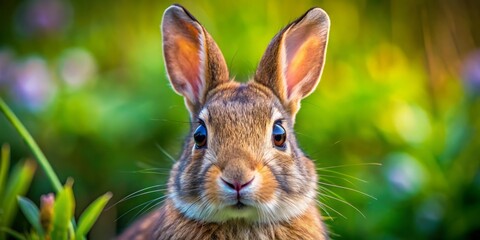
<point>200,136</point>
<point>279,135</point>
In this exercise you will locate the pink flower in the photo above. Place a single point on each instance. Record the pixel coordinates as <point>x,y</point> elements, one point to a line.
<point>46,211</point>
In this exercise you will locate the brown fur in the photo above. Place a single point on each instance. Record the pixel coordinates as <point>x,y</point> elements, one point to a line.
<point>277,197</point>
<point>175,226</point>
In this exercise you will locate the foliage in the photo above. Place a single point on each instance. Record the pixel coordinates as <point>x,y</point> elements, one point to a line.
<point>11,186</point>
<point>53,221</point>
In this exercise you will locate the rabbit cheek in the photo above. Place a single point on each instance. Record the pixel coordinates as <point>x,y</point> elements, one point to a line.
<point>189,180</point>
<point>267,187</point>
<point>212,188</point>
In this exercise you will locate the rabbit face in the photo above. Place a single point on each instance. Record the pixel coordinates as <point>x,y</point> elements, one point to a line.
<point>240,173</point>
<point>241,160</point>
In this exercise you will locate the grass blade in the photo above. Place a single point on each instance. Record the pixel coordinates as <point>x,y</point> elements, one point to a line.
<point>42,160</point>
<point>17,184</point>
<point>4,165</point>
<point>90,215</point>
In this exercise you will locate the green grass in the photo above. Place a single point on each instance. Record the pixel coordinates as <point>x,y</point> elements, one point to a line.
<point>55,219</point>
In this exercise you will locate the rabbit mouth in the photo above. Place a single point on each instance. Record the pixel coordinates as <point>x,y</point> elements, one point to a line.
<point>239,205</point>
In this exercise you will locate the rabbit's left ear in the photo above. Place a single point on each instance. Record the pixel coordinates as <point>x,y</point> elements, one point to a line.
<point>194,62</point>
<point>293,62</point>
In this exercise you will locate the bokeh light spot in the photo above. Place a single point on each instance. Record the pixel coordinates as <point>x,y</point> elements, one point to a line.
<point>33,83</point>
<point>411,123</point>
<point>77,67</point>
<point>405,175</point>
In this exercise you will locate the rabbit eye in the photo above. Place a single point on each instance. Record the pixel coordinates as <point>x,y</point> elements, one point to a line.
<point>279,135</point>
<point>200,136</point>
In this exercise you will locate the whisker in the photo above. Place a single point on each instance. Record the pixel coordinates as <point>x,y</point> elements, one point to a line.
<point>352,165</point>
<point>144,164</point>
<point>325,177</point>
<point>138,193</point>
<point>325,205</point>
<point>165,152</point>
<point>147,208</point>
<point>148,192</point>
<point>342,174</point>
<point>141,205</point>
<point>337,142</point>
<point>322,188</point>
<point>347,188</point>
<point>324,209</point>
<point>345,202</point>
<point>156,168</point>
<point>163,171</point>
<point>169,120</point>
<point>151,172</point>
<point>326,180</point>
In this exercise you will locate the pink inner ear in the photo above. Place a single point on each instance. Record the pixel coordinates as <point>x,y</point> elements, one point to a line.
<point>189,63</point>
<point>302,56</point>
<point>183,49</point>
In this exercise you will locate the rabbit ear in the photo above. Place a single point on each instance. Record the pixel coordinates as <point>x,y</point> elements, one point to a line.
<point>293,62</point>
<point>194,62</point>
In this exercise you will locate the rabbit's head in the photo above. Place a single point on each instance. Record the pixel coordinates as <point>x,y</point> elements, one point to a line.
<point>241,160</point>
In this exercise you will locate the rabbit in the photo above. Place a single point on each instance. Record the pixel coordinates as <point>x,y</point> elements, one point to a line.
<point>241,174</point>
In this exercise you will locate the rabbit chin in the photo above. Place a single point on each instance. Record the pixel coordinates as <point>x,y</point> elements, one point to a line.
<point>264,213</point>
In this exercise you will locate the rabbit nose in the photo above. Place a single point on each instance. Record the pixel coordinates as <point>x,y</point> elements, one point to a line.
<point>236,185</point>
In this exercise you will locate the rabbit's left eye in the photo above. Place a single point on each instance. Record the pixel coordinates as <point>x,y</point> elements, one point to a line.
<point>279,135</point>
<point>200,136</point>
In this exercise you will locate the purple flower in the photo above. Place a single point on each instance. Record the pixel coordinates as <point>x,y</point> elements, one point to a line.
<point>33,84</point>
<point>471,73</point>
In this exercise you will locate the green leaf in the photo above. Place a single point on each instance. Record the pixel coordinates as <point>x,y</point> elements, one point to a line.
<point>63,212</point>
<point>90,215</point>
<point>4,165</point>
<point>32,213</point>
<point>17,184</point>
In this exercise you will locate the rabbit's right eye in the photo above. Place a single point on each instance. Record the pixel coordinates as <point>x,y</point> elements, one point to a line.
<point>200,136</point>
<point>279,136</point>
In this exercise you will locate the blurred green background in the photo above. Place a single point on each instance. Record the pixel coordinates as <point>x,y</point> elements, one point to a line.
<point>401,87</point>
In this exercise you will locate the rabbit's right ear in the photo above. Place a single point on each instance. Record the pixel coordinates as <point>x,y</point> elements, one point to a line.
<point>293,62</point>
<point>193,60</point>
